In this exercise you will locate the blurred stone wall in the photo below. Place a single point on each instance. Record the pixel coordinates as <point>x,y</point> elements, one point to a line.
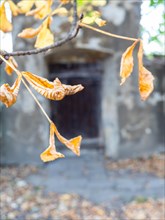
<point>129,127</point>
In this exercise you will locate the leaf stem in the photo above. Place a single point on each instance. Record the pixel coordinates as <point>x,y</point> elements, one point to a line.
<point>27,87</point>
<point>106,33</point>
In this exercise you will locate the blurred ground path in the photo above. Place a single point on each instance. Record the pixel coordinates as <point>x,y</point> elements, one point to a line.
<point>88,177</point>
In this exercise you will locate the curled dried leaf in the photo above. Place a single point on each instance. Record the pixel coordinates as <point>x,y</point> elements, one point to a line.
<point>5,25</point>
<point>50,153</point>
<point>29,32</point>
<point>51,90</point>
<point>8,68</point>
<point>25,6</point>
<point>8,95</point>
<point>14,8</point>
<point>127,64</point>
<point>73,144</point>
<point>145,77</point>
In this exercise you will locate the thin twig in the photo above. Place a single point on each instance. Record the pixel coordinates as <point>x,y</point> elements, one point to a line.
<point>72,34</point>
<point>27,87</point>
<point>106,33</point>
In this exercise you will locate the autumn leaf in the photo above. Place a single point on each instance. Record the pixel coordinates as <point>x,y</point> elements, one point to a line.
<point>60,11</point>
<point>50,153</point>
<point>29,32</point>
<point>5,25</point>
<point>35,11</point>
<point>51,90</point>
<point>73,144</point>
<point>14,8</point>
<point>127,64</point>
<point>65,1</point>
<point>8,95</point>
<point>44,11</point>
<point>88,20</point>
<point>25,5</point>
<point>100,22</point>
<point>45,36</point>
<point>145,76</point>
<point>8,68</point>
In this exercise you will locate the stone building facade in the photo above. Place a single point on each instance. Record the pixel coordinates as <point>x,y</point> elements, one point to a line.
<point>108,116</point>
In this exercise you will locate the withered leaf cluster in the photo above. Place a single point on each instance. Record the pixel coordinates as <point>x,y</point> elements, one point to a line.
<point>145,77</point>
<point>42,10</point>
<point>51,90</point>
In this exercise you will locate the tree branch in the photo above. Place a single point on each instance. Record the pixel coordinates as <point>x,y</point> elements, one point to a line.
<point>71,34</point>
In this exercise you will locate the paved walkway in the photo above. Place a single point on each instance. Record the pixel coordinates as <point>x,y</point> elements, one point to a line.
<point>88,177</point>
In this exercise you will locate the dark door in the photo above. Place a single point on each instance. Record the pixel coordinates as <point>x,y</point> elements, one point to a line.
<point>80,113</point>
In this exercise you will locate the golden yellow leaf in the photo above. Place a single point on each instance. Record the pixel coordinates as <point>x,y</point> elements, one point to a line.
<point>13,7</point>
<point>8,68</point>
<point>127,64</point>
<point>60,11</point>
<point>145,77</point>
<point>50,153</point>
<point>25,5</point>
<point>73,144</point>
<point>35,11</point>
<point>8,95</point>
<point>51,90</point>
<point>29,32</point>
<point>46,10</point>
<point>44,38</point>
<point>88,20</point>
<point>100,22</point>
<point>5,25</point>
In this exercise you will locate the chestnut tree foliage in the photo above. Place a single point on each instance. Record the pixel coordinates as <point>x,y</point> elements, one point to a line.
<point>80,14</point>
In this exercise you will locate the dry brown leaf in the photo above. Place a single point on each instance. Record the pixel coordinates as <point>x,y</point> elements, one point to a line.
<point>51,90</point>
<point>50,153</point>
<point>145,77</point>
<point>8,95</point>
<point>13,7</point>
<point>8,68</point>
<point>25,5</point>
<point>73,144</point>
<point>5,25</point>
<point>127,64</point>
<point>29,32</point>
